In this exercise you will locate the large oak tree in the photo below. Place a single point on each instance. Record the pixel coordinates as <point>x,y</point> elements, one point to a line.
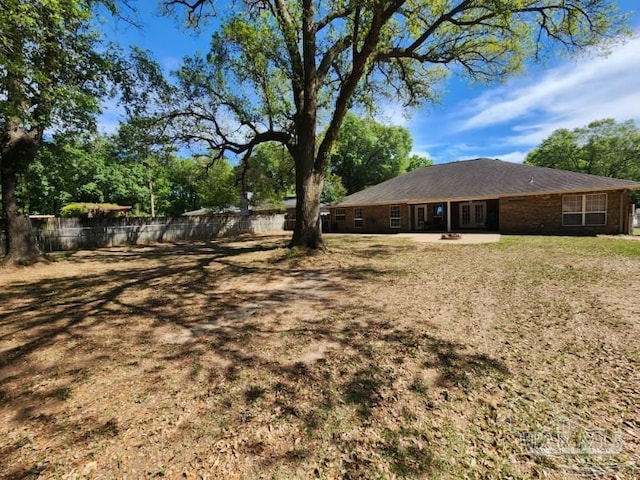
<point>284,70</point>
<point>53,72</point>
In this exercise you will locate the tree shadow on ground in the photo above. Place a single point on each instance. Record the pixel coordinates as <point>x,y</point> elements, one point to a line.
<point>88,356</point>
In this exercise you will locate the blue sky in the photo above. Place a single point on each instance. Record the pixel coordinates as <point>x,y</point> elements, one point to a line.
<point>471,120</point>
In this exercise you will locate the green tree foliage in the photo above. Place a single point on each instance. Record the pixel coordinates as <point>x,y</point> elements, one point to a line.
<point>604,147</point>
<point>72,168</point>
<point>284,70</point>
<point>218,185</point>
<point>53,72</point>
<point>194,183</point>
<point>91,210</point>
<point>178,184</point>
<point>367,153</point>
<point>333,189</point>
<point>99,169</point>
<point>269,175</point>
<point>182,194</point>
<point>418,161</point>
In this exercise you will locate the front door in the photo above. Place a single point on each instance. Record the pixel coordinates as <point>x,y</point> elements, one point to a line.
<point>473,215</point>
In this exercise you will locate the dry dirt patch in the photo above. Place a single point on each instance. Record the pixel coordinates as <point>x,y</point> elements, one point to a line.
<point>383,358</point>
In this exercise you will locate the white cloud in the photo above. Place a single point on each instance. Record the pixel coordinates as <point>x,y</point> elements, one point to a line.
<point>463,151</point>
<point>458,151</point>
<point>421,152</point>
<point>392,114</point>
<point>513,157</point>
<point>569,96</point>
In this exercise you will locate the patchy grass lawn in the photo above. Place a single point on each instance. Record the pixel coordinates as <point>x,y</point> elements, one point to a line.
<point>382,359</point>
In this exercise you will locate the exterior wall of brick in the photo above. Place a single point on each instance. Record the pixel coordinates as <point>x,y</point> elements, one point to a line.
<point>542,214</point>
<point>538,214</point>
<point>376,219</point>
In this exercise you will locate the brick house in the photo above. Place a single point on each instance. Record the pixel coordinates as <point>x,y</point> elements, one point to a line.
<point>489,195</point>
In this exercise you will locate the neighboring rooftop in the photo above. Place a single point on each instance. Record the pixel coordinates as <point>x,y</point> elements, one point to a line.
<point>290,203</point>
<point>481,178</point>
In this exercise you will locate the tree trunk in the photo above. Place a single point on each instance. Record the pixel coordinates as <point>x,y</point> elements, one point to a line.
<point>309,181</point>
<point>307,232</point>
<point>309,169</point>
<point>20,245</point>
<point>152,198</point>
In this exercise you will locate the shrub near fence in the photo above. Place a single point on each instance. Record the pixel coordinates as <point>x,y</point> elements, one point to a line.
<point>55,234</point>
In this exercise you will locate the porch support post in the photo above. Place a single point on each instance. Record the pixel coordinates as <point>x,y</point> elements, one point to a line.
<point>624,226</point>
<point>448,217</point>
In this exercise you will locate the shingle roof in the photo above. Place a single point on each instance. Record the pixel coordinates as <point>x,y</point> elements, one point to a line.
<point>478,179</point>
<point>291,203</point>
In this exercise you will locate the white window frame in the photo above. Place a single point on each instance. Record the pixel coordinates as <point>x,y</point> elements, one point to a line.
<point>358,217</point>
<point>583,212</point>
<point>395,216</point>
<point>340,214</point>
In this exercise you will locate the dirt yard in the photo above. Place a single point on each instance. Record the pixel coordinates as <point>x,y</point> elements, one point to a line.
<point>384,358</point>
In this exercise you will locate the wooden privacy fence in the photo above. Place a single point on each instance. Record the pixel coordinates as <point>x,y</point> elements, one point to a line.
<point>54,234</point>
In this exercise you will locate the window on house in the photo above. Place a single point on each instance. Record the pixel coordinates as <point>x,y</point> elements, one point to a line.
<point>584,210</point>
<point>340,215</point>
<point>358,219</point>
<point>394,216</point>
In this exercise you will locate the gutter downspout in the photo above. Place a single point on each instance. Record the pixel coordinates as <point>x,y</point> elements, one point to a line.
<point>448,217</point>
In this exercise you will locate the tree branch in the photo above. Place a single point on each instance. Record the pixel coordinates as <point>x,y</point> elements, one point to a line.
<point>334,15</point>
<point>330,55</point>
<point>279,9</point>
<point>380,17</point>
<point>191,6</point>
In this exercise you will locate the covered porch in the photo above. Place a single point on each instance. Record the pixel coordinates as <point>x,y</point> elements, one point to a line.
<point>453,216</point>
